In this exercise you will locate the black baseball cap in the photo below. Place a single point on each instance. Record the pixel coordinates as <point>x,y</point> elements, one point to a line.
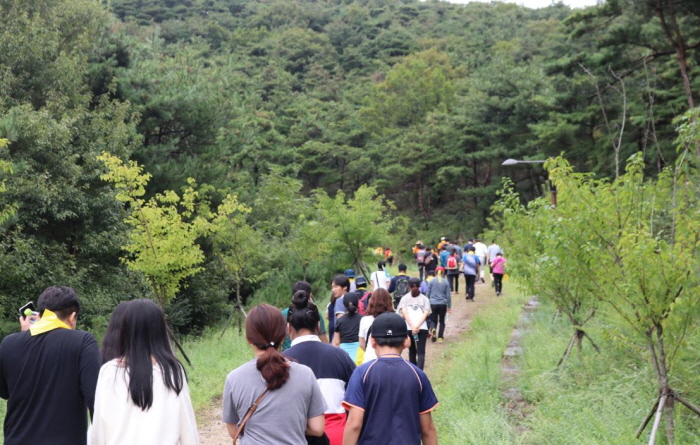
<point>389,325</point>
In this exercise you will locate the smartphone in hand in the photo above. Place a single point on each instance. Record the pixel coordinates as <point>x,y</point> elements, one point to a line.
<point>29,310</point>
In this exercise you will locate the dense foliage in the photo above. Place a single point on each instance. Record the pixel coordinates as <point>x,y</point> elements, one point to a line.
<point>387,117</point>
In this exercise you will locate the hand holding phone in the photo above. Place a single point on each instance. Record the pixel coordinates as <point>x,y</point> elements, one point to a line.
<point>28,315</point>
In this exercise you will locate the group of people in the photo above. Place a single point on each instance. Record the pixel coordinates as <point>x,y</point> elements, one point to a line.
<point>135,389</point>
<point>469,261</point>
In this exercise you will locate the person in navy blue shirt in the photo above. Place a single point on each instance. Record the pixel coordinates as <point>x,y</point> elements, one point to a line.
<point>389,394</point>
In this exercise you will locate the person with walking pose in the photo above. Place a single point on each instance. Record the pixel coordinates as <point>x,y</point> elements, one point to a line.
<point>142,396</point>
<point>470,267</point>
<point>331,366</point>
<point>440,296</point>
<point>290,404</point>
<point>415,309</point>
<point>498,268</point>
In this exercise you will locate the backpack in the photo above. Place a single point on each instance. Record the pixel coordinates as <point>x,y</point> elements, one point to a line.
<point>452,262</point>
<point>428,259</point>
<point>401,289</point>
<point>364,302</point>
<point>420,256</point>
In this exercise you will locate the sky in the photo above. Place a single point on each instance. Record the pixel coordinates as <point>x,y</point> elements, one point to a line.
<point>539,3</point>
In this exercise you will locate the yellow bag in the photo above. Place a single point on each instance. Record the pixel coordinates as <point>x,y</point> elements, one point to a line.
<point>505,277</point>
<point>360,357</point>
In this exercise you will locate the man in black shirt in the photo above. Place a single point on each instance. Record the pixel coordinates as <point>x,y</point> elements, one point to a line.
<point>48,375</point>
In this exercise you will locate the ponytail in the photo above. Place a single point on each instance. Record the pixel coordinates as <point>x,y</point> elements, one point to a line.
<point>265,329</point>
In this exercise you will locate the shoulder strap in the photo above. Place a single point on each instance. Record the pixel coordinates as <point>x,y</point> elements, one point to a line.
<point>250,412</point>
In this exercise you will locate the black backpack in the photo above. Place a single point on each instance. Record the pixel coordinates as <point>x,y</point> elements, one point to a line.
<point>401,289</point>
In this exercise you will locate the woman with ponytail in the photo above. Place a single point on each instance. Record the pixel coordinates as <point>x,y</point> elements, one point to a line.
<point>331,366</point>
<point>142,396</point>
<point>440,296</point>
<point>293,405</point>
<point>347,329</point>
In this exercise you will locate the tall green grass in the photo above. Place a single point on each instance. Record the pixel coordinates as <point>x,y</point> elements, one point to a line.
<point>593,398</point>
<point>468,380</point>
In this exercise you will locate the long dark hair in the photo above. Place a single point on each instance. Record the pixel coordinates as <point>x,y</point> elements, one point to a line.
<point>265,329</point>
<point>110,342</point>
<point>143,337</point>
<point>303,313</point>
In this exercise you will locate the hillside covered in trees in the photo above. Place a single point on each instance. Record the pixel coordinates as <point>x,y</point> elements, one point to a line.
<point>337,125</point>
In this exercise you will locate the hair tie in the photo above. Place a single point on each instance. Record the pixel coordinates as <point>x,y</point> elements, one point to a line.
<point>272,343</point>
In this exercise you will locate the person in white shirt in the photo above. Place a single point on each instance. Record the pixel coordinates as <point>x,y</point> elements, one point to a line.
<point>491,252</point>
<point>380,279</point>
<point>481,251</point>
<point>142,397</point>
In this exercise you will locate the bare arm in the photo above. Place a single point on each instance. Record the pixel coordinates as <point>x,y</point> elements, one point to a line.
<point>363,344</point>
<point>353,426</point>
<point>323,337</point>
<point>231,428</point>
<point>315,426</point>
<point>336,339</point>
<point>428,432</point>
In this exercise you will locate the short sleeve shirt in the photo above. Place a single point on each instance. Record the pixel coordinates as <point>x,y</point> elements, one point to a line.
<point>469,263</point>
<point>282,415</point>
<point>393,393</point>
<point>414,308</point>
<point>348,326</point>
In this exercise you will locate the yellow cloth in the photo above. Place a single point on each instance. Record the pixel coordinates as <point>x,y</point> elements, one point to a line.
<point>48,322</point>
<point>360,358</point>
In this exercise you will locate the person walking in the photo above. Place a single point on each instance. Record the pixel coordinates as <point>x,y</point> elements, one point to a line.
<point>444,254</point>
<point>498,268</point>
<point>380,303</point>
<point>491,253</point>
<point>142,396</point>
<point>348,326</point>
<point>440,297</point>
<point>379,279</point>
<point>306,287</point>
<point>470,267</point>
<point>399,285</point>
<point>331,366</point>
<point>415,309</point>
<point>48,375</point>
<point>481,251</point>
<point>290,404</point>
<point>431,261</point>
<point>389,400</point>
<point>420,252</point>
<point>452,271</point>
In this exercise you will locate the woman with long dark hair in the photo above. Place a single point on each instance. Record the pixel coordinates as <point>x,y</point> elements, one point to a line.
<point>331,366</point>
<point>292,406</point>
<point>110,341</point>
<point>380,303</point>
<point>142,396</point>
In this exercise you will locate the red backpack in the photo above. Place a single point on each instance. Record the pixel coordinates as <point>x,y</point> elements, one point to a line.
<point>452,262</point>
<point>362,305</point>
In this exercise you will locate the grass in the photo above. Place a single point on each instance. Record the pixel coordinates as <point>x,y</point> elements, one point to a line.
<point>468,385</point>
<point>593,398</point>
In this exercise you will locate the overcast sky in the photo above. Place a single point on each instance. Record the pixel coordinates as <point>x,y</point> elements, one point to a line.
<point>539,3</point>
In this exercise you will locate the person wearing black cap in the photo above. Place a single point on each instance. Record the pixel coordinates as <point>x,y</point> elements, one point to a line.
<point>389,384</point>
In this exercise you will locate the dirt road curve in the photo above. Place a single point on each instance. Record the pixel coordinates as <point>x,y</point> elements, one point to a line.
<point>213,432</point>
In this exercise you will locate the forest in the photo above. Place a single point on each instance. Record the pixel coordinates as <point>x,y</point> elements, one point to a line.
<point>196,151</point>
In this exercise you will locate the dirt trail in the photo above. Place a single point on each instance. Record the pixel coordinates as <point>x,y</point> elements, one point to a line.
<point>213,432</point>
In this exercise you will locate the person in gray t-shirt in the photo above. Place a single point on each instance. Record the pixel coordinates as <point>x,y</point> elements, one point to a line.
<point>293,405</point>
